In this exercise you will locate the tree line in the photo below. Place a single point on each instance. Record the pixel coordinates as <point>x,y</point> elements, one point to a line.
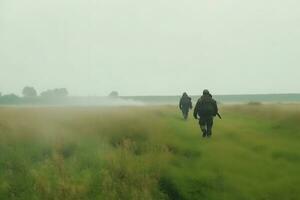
<point>30,94</point>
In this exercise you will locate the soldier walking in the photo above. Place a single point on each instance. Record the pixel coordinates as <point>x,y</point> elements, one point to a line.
<point>185,105</point>
<point>206,109</point>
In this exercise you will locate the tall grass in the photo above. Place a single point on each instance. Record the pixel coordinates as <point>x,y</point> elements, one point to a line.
<point>149,153</point>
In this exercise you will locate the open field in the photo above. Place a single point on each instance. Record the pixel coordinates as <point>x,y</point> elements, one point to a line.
<point>149,153</point>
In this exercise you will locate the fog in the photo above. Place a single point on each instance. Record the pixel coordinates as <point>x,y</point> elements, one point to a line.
<point>158,47</point>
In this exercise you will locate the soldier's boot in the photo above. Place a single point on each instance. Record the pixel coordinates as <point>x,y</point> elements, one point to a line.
<point>185,116</point>
<point>204,131</point>
<point>209,132</point>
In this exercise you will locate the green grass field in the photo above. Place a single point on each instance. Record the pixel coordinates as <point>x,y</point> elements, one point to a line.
<point>149,153</point>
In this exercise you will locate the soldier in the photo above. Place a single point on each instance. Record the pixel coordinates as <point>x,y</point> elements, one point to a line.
<point>185,105</point>
<point>206,108</point>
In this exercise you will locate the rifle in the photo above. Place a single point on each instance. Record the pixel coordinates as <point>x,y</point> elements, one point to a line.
<point>218,114</point>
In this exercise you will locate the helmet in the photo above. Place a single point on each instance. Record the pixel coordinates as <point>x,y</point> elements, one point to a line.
<point>206,91</point>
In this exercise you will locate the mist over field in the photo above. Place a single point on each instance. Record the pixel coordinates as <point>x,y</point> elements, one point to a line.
<point>148,153</point>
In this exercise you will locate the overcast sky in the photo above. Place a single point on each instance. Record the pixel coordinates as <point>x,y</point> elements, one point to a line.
<point>150,47</point>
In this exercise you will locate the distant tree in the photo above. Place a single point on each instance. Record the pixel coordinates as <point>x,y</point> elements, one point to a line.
<point>9,99</point>
<point>29,92</point>
<point>113,94</point>
<point>0,94</point>
<point>57,92</point>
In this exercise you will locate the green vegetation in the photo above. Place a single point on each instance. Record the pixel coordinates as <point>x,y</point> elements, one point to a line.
<point>149,153</point>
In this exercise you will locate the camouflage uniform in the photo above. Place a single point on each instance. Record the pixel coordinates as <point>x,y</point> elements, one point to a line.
<point>185,105</point>
<point>206,108</point>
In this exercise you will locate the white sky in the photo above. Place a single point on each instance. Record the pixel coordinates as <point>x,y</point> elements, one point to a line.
<point>150,47</point>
